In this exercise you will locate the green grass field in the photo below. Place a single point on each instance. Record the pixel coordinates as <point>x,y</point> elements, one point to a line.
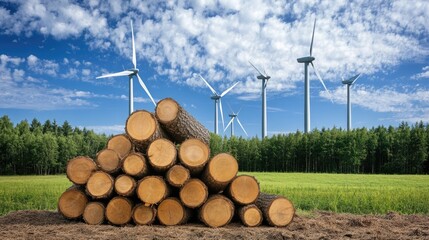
<point>377,194</point>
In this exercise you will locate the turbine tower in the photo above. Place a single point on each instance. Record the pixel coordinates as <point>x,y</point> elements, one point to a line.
<point>218,102</point>
<point>309,60</point>
<point>264,78</point>
<point>130,73</point>
<point>234,116</point>
<point>349,83</point>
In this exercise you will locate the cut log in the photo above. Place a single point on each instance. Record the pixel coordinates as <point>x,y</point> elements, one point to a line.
<point>219,172</point>
<point>134,164</point>
<point>143,128</point>
<point>177,176</point>
<point>161,154</point>
<point>250,215</point>
<point>144,215</point>
<point>125,185</point>
<point>179,124</point>
<point>109,161</point>
<point>194,193</point>
<point>72,203</point>
<point>94,213</point>
<point>152,189</point>
<point>99,185</point>
<point>217,211</point>
<point>79,169</point>
<point>118,210</point>
<point>121,144</point>
<point>277,210</point>
<point>243,190</point>
<point>171,212</point>
<point>194,154</point>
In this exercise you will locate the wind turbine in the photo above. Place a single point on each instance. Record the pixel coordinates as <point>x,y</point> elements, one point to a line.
<point>306,61</point>
<point>218,102</point>
<point>231,122</point>
<point>264,78</point>
<point>130,73</point>
<point>349,83</point>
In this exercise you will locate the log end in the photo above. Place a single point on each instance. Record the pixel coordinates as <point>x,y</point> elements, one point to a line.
<point>143,215</point>
<point>166,110</point>
<point>194,153</point>
<point>125,185</point>
<point>72,203</point>
<point>100,185</point>
<point>177,175</point>
<point>79,169</point>
<point>162,154</point>
<point>108,160</point>
<point>141,125</point>
<point>244,189</point>
<point>134,164</point>
<point>281,212</point>
<point>94,213</point>
<point>118,211</point>
<point>217,211</point>
<point>152,189</point>
<point>121,144</point>
<point>194,193</point>
<point>171,212</point>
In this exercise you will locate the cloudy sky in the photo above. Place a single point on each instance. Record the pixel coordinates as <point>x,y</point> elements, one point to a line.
<point>52,51</point>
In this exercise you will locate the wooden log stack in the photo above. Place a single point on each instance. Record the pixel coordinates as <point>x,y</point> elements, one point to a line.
<point>160,172</point>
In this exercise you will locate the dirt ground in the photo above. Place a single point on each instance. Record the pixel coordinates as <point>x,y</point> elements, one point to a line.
<point>318,225</point>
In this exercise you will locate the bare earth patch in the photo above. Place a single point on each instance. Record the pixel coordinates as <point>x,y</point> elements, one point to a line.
<point>321,225</point>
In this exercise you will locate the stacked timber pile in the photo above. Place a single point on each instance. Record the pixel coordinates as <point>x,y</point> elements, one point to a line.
<point>161,170</point>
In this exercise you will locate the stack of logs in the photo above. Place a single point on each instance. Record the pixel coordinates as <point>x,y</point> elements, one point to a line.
<point>161,170</point>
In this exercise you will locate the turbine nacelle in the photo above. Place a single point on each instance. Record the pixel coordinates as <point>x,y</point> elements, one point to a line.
<point>263,77</point>
<point>306,59</point>
<point>215,97</point>
<point>351,80</point>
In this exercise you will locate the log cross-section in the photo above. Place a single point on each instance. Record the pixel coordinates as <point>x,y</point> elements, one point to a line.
<point>161,154</point>
<point>217,211</point>
<point>278,211</point>
<point>72,203</point>
<point>194,154</point>
<point>219,172</point>
<point>94,213</point>
<point>121,144</point>
<point>79,169</point>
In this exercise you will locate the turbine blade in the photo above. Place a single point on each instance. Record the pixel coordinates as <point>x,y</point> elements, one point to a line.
<point>256,68</point>
<point>134,47</point>
<point>221,112</point>
<point>238,120</point>
<point>145,89</point>
<point>229,89</point>
<point>321,80</point>
<point>232,119</point>
<point>118,74</point>
<point>355,78</point>
<point>208,85</point>
<point>312,38</point>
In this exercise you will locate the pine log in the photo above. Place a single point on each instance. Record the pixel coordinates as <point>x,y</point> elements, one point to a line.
<point>217,211</point>
<point>194,193</point>
<point>171,212</point>
<point>179,124</point>
<point>125,185</point>
<point>243,190</point>
<point>79,169</point>
<point>161,154</point>
<point>277,210</point>
<point>143,128</point>
<point>152,189</point>
<point>250,215</point>
<point>194,154</point>
<point>143,215</point>
<point>121,144</point>
<point>94,213</point>
<point>109,161</point>
<point>134,164</point>
<point>72,202</point>
<point>219,172</point>
<point>118,210</point>
<point>177,176</point>
<point>100,185</point>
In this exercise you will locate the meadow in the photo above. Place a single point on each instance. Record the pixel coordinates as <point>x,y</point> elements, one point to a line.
<point>351,193</point>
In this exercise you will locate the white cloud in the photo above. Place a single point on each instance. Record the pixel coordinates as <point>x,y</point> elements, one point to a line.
<point>423,74</point>
<point>42,66</point>
<point>112,129</point>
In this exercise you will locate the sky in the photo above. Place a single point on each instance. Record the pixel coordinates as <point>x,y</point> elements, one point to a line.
<point>52,51</point>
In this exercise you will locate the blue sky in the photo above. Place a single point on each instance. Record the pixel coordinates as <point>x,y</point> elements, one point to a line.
<point>52,51</point>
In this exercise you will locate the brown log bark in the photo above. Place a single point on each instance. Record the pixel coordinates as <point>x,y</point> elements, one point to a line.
<point>194,193</point>
<point>143,215</point>
<point>79,169</point>
<point>243,190</point>
<point>100,185</point>
<point>161,154</point>
<point>72,202</point>
<point>143,128</point>
<point>134,164</point>
<point>152,189</point>
<point>94,213</point>
<point>219,172</point>
<point>171,212</point>
<point>194,154</point>
<point>121,144</point>
<point>118,210</point>
<point>250,215</point>
<point>109,161</point>
<point>277,210</point>
<point>125,185</point>
<point>217,211</point>
<point>177,176</point>
<point>179,123</point>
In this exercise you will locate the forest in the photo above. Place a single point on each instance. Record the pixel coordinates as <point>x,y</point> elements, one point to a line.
<point>36,148</point>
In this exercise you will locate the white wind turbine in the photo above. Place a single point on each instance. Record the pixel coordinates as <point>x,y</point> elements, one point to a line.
<point>306,61</point>
<point>218,102</point>
<point>130,73</point>
<point>234,116</point>
<point>349,83</point>
<point>264,78</point>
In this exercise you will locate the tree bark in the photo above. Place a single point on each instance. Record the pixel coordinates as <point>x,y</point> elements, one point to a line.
<point>219,172</point>
<point>79,169</point>
<point>278,211</point>
<point>217,211</point>
<point>194,154</point>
